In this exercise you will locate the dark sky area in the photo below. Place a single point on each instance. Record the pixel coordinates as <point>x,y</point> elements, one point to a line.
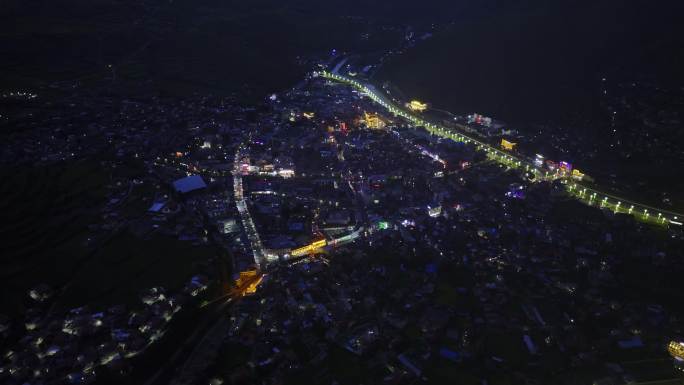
<point>510,59</point>
<point>217,45</point>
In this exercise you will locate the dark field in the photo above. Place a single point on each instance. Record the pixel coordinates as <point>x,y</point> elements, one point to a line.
<point>46,212</point>
<point>126,265</point>
<point>45,234</point>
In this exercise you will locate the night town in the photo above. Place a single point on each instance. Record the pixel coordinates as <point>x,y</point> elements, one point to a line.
<point>336,228</point>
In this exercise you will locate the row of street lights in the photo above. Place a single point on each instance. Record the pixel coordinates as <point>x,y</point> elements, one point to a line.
<point>639,211</point>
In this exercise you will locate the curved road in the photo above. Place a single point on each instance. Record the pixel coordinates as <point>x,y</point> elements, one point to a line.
<point>578,190</point>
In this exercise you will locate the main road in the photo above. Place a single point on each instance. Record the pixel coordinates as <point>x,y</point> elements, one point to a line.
<point>577,189</point>
<point>241,203</point>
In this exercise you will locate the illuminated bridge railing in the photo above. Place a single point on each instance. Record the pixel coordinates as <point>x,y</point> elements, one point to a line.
<point>578,190</point>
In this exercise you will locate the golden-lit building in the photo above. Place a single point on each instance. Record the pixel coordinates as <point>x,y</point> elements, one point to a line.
<point>417,106</point>
<point>676,350</point>
<point>506,145</point>
<point>248,282</point>
<point>374,121</point>
<point>577,174</point>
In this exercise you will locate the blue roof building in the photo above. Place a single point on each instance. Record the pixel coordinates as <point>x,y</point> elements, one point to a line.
<point>188,184</point>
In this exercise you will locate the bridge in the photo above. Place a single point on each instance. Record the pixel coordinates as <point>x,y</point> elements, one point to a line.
<point>309,249</point>
<point>577,189</point>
